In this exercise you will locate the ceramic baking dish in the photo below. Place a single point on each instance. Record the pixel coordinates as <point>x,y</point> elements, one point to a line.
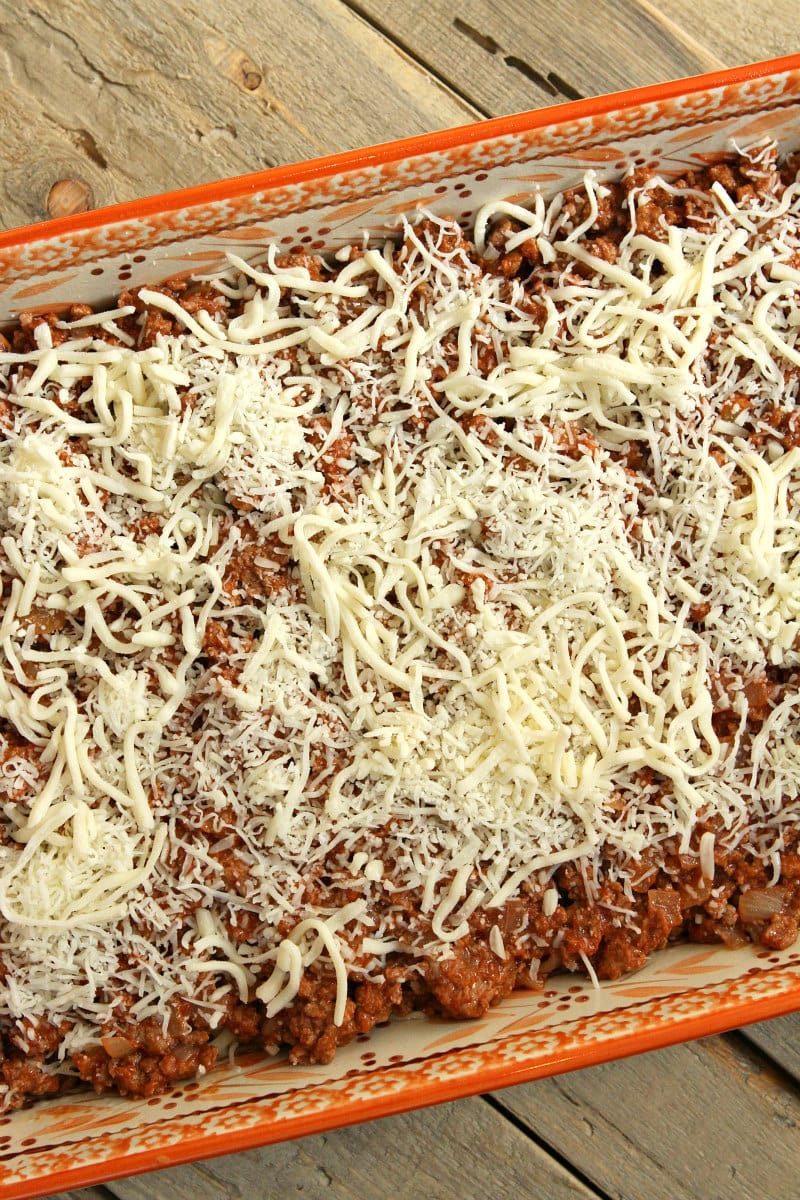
<point>684,992</point>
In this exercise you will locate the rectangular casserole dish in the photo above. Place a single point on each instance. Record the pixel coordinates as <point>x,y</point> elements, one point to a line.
<point>687,991</point>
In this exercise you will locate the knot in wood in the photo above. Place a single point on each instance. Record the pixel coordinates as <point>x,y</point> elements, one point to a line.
<point>68,196</point>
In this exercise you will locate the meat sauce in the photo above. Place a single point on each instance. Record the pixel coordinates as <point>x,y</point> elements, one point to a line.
<point>581,931</point>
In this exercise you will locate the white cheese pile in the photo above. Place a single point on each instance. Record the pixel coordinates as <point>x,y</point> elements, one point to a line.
<point>477,657</point>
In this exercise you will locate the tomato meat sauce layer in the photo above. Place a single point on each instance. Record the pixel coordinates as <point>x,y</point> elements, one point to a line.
<point>386,631</point>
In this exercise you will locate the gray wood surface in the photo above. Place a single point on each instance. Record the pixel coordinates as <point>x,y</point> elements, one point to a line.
<point>512,54</point>
<point>105,101</point>
<point>129,99</point>
<point>780,1040</point>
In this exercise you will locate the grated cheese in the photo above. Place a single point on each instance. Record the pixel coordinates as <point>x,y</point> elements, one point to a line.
<point>470,637</point>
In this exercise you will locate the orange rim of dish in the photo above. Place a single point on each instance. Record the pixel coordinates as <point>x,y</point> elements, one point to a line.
<point>654,1035</point>
<point>390,152</point>
<point>655,1031</point>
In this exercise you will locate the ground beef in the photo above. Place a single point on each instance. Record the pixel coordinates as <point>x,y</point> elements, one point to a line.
<point>583,930</point>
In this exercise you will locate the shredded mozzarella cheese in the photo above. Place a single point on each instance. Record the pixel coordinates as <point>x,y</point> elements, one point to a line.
<point>456,642</point>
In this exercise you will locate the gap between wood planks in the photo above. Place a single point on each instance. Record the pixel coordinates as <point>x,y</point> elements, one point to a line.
<point>518,54</point>
<point>741,1039</point>
<point>399,44</point>
<point>495,1102</point>
<point>551,83</point>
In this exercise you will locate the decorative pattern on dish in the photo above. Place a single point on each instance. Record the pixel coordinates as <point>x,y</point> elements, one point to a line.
<point>346,193</point>
<point>404,1065</point>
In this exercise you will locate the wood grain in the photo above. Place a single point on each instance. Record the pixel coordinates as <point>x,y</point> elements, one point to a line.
<point>513,54</point>
<point>780,1041</point>
<point>126,99</point>
<point>519,54</point>
<point>652,1127</point>
<point>738,33</point>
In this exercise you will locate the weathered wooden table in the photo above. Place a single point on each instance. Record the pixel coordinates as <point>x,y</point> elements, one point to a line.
<point>103,101</point>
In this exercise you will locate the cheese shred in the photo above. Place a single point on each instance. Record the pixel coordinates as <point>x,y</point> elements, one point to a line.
<point>395,579</point>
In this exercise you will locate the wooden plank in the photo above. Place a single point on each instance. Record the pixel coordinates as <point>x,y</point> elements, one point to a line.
<point>710,1118</point>
<point>454,1152</point>
<point>779,1040</point>
<point>89,1193</point>
<point>517,54</point>
<point>514,55</point>
<point>126,99</point>
<point>757,30</point>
